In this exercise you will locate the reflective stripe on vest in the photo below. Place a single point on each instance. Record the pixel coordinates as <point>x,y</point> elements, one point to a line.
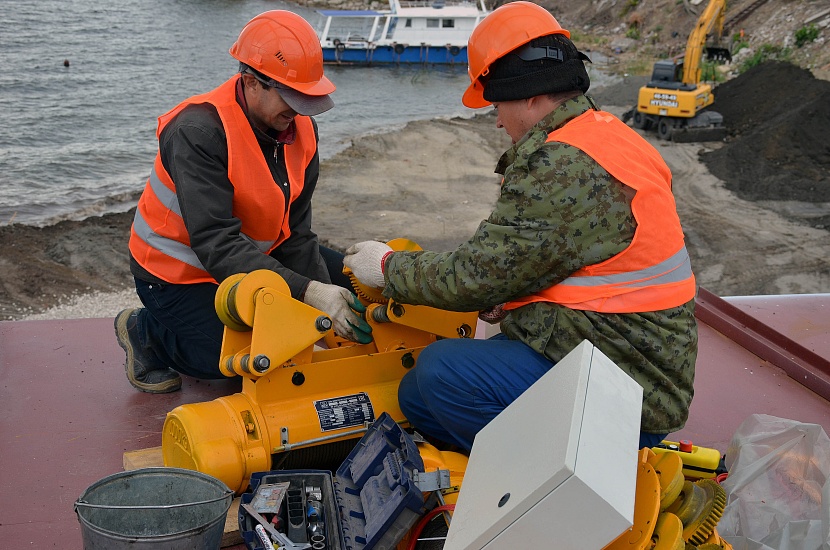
<point>654,272</point>
<point>159,241</point>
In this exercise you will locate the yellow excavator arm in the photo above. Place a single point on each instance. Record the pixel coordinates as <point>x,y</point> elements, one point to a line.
<point>710,21</point>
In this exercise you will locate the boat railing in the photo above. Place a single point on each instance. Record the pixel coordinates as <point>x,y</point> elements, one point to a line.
<point>354,30</point>
<point>434,3</point>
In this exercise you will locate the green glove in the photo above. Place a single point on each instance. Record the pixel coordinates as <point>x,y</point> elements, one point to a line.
<point>344,309</point>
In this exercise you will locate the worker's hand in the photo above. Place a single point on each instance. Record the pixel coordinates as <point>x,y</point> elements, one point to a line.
<point>366,262</point>
<point>344,309</point>
<point>493,314</point>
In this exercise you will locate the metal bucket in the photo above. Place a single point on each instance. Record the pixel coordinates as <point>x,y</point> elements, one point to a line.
<point>168,508</point>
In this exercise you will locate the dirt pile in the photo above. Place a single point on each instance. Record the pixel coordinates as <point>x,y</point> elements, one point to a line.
<point>777,115</point>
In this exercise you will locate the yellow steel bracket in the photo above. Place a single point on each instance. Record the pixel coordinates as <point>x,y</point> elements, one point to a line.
<point>288,327</point>
<point>441,323</point>
<point>447,324</point>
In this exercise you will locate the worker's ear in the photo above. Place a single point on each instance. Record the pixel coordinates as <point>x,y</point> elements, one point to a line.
<point>249,81</point>
<point>534,102</point>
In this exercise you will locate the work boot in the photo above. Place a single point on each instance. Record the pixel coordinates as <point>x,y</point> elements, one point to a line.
<point>142,372</point>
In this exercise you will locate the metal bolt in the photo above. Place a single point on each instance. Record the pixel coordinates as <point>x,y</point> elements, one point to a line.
<point>261,363</point>
<point>323,323</point>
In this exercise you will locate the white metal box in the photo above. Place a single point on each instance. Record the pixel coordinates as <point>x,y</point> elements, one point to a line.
<point>558,467</point>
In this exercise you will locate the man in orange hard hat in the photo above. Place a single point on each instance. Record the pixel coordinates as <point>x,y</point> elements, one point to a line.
<point>584,242</point>
<point>230,192</point>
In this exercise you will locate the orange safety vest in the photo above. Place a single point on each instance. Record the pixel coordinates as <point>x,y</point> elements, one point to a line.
<point>654,272</point>
<point>159,241</point>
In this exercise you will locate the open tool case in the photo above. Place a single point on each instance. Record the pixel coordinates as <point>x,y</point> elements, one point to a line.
<point>371,502</point>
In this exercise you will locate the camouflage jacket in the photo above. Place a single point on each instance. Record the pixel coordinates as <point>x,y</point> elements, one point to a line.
<point>558,211</point>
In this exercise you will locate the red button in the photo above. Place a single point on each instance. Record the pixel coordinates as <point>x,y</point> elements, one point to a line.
<point>685,445</point>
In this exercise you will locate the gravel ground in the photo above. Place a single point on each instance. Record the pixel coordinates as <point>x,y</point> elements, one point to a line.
<point>88,306</point>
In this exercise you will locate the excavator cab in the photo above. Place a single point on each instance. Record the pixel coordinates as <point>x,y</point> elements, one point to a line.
<point>668,74</point>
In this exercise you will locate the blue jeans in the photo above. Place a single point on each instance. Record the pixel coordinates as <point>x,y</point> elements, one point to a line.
<point>181,327</point>
<point>458,386</point>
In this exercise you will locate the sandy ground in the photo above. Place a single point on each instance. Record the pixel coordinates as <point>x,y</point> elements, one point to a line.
<point>442,186</point>
<point>740,247</point>
<point>431,182</point>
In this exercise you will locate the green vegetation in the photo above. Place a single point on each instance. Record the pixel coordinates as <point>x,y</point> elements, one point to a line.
<point>654,35</point>
<point>738,46</point>
<point>709,72</point>
<point>805,35</point>
<point>639,67</point>
<point>588,39</point>
<point>767,52</point>
<point>739,42</point>
<point>633,33</point>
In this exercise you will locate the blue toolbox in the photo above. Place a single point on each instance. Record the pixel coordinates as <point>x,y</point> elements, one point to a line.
<point>371,502</point>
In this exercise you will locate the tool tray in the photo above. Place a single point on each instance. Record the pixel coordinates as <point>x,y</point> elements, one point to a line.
<point>371,502</point>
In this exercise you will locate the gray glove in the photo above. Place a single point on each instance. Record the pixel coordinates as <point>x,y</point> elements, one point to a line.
<point>344,309</point>
<point>365,259</point>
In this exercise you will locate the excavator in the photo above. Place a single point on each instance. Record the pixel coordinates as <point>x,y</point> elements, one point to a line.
<point>674,101</point>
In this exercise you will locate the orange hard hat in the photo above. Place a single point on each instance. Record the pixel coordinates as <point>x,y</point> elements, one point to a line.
<point>282,45</point>
<point>508,27</point>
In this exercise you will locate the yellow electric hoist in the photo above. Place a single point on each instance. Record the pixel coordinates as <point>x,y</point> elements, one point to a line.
<point>297,395</point>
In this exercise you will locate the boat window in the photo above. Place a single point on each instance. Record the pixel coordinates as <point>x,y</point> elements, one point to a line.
<point>432,23</point>
<point>408,23</point>
<point>448,23</point>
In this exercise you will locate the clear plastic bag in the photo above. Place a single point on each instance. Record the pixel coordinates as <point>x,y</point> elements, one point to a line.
<point>777,488</point>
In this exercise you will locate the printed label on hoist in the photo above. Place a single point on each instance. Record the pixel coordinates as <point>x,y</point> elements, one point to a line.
<point>344,412</point>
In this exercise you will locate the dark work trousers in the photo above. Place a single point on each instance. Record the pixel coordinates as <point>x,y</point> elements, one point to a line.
<point>180,326</point>
<point>458,386</point>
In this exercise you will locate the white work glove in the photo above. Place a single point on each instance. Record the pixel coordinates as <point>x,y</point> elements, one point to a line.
<point>344,309</point>
<point>364,259</point>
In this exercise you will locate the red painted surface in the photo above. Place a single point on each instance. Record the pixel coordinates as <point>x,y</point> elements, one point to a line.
<point>731,383</point>
<point>69,414</point>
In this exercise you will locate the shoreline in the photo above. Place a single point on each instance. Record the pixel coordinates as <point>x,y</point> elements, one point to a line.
<point>431,182</point>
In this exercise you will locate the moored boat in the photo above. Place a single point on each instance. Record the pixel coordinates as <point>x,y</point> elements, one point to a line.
<point>411,31</point>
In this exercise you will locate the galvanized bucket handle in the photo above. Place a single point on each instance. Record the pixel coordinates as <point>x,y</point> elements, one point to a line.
<point>83,503</point>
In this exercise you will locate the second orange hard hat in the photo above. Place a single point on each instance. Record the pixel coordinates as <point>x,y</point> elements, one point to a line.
<point>508,27</point>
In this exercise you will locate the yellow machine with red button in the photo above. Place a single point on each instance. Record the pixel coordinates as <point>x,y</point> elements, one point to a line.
<point>301,402</point>
<point>698,462</point>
